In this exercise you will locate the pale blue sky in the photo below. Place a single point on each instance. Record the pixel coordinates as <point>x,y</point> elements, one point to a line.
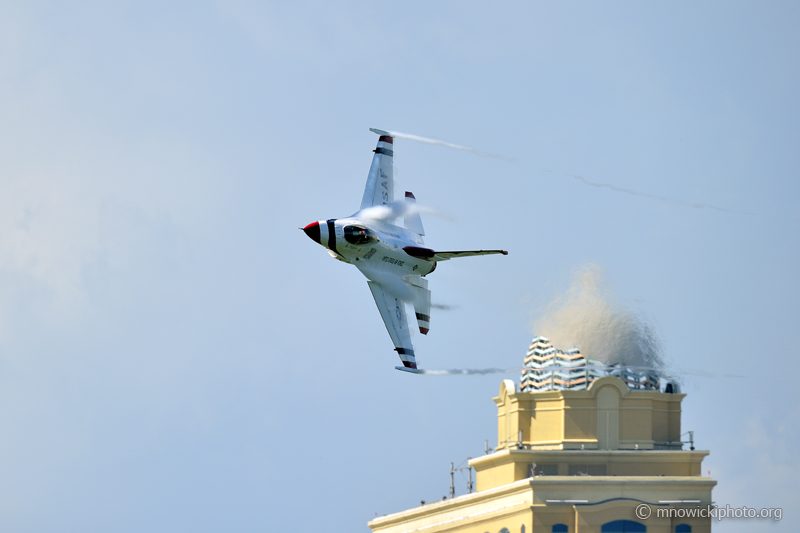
<point>176,356</point>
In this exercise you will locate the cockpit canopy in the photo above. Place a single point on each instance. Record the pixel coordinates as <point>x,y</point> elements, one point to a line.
<point>358,235</point>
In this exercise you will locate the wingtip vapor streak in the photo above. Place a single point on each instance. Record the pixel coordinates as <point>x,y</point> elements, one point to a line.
<point>393,258</point>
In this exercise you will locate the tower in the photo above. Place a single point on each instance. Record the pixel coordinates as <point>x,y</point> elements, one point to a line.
<point>604,458</point>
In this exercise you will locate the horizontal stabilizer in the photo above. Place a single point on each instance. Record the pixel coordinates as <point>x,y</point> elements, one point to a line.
<point>444,256</point>
<point>422,302</point>
<point>410,370</point>
<point>427,253</point>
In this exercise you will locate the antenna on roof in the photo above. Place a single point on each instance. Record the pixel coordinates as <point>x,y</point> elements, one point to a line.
<point>453,470</point>
<point>452,481</point>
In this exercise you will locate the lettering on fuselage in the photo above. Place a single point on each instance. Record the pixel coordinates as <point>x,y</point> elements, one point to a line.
<point>370,253</point>
<point>384,184</point>
<point>392,260</point>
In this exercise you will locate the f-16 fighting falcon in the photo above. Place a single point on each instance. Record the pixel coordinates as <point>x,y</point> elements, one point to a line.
<point>394,259</point>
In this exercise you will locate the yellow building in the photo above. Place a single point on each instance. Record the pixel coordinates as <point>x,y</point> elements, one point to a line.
<point>584,461</point>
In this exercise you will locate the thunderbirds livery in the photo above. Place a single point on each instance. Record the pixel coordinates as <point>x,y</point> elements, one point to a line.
<point>393,258</point>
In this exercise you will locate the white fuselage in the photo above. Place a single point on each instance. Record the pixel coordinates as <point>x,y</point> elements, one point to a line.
<point>379,255</point>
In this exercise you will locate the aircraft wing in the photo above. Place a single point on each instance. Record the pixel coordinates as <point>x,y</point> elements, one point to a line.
<point>427,253</point>
<point>380,182</point>
<point>393,312</point>
<point>444,256</point>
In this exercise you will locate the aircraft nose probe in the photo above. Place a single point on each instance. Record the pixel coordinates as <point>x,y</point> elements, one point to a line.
<point>312,230</point>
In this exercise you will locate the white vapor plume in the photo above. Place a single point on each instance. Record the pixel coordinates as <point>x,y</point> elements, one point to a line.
<point>427,140</point>
<point>588,317</point>
<point>391,211</point>
<point>385,212</point>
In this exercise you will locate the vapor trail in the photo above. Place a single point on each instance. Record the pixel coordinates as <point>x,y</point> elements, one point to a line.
<point>669,376</point>
<point>475,151</point>
<point>704,374</point>
<point>468,371</point>
<point>427,140</point>
<point>666,199</point>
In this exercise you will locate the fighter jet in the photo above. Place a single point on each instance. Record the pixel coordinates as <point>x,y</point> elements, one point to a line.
<point>393,258</point>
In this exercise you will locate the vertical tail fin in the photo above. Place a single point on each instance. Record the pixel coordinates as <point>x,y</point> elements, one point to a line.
<point>412,220</point>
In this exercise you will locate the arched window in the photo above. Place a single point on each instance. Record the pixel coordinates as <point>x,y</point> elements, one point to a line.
<point>505,530</point>
<point>560,528</point>
<point>683,528</point>
<point>623,526</point>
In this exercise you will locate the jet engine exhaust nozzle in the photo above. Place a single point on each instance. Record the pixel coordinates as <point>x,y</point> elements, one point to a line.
<point>312,230</point>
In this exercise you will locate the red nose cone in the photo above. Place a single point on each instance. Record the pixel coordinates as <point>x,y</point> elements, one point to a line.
<point>312,230</point>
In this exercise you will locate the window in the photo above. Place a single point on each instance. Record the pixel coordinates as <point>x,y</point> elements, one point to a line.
<point>544,470</point>
<point>587,470</point>
<point>623,526</point>
<point>358,235</point>
<point>683,528</point>
<point>560,528</point>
